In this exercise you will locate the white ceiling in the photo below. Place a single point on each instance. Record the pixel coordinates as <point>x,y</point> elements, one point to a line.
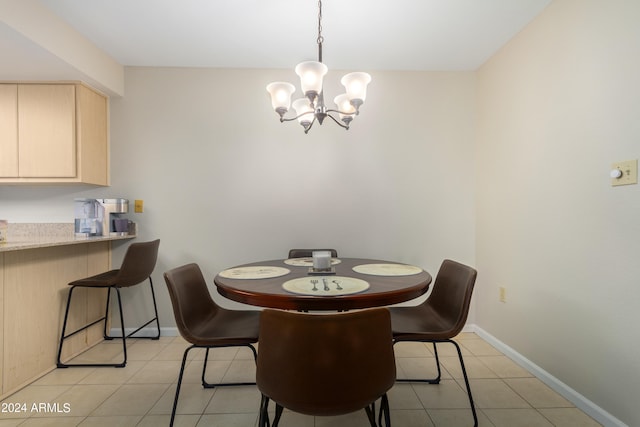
<point>358,34</point>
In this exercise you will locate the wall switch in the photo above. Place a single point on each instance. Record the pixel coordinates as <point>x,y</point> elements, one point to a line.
<point>503,294</point>
<point>138,206</point>
<point>624,173</point>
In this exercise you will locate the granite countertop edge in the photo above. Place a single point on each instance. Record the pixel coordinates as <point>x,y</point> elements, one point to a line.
<point>43,235</point>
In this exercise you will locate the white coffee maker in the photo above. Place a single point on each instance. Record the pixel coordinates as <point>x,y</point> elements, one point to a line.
<point>101,217</point>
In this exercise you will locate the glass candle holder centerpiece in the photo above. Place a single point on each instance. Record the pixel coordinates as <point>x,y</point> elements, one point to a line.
<point>321,260</point>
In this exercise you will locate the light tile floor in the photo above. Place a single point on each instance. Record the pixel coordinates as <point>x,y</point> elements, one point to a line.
<point>141,394</point>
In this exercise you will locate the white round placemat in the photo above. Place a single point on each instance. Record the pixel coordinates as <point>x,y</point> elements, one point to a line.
<point>325,285</point>
<point>306,261</point>
<point>387,269</point>
<point>254,272</point>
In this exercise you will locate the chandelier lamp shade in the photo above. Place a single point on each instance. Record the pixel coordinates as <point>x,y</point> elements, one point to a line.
<point>311,107</point>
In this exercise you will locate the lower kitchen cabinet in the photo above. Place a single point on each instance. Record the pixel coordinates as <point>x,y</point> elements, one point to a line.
<point>33,295</point>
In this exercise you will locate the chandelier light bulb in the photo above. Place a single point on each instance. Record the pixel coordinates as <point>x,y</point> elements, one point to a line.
<point>356,86</point>
<point>304,111</point>
<point>345,109</point>
<point>281,96</point>
<point>311,74</point>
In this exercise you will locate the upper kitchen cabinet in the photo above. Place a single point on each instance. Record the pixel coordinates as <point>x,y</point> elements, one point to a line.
<point>53,133</point>
<point>8,130</point>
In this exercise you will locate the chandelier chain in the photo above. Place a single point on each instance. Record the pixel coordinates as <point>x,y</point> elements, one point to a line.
<point>320,38</point>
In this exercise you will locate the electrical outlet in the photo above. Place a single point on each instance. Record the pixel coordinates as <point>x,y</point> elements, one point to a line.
<point>503,294</point>
<point>138,206</point>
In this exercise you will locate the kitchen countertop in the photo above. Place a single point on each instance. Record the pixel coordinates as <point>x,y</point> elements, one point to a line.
<point>23,236</point>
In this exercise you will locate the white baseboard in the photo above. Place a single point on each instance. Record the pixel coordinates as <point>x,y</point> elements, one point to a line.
<point>581,402</point>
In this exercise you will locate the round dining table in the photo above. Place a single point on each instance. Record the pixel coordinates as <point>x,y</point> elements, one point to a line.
<point>352,283</point>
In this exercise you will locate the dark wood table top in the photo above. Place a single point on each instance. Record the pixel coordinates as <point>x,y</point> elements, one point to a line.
<point>269,292</point>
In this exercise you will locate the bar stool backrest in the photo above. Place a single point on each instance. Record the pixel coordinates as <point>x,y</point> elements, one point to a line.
<point>138,263</point>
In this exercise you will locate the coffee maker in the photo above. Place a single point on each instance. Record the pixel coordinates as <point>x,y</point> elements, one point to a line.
<point>101,217</point>
<point>87,219</point>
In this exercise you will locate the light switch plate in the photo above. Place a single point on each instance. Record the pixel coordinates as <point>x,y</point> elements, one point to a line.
<point>629,171</point>
<point>138,206</point>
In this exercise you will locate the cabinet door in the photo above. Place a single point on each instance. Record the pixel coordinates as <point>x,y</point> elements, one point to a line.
<point>47,131</point>
<point>35,291</point>
<point>93,149</point>
<point>1,320</point>
<point>8,130</point>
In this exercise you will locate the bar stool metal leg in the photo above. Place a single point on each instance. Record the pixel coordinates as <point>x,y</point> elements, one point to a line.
<point>155,310</point>
<point>205,384</point>
<point>104,318</point>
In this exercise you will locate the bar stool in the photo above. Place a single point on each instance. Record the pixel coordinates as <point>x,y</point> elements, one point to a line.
<point>137,266</point>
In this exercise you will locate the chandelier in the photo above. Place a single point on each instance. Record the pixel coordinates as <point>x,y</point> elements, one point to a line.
<point>311,107</point>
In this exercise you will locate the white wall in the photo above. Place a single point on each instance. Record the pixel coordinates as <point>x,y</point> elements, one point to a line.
<point>224,182</point>
<point>556,107</point>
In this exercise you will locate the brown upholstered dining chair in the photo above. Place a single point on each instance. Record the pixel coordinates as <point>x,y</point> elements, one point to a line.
<point>137,266</point>
<point>306,253</point>
<point>440,318</point>
<point>325,364</point>
<point>205,324</point>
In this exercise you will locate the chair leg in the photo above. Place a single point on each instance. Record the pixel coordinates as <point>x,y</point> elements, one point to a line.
<point>204,370</point>
<point>155,310</point>
<point>64,328</point>
<point>59,364</point>
<point>179,384</point>
<point>263,416</point>
<point>106,316</point>
<point>276,419</point>
<point>435,380</point>
<point>466,382</point>
<point>371,413</point>
<point>205,384</point>
<point>384,411</point>
<point>124,338</point>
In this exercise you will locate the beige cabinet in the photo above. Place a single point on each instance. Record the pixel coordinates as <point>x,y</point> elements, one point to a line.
<point>8,130</point>
<point>33,293</point>
<point>1,321</point>
<point>47,131</point>
<point>53,133</point>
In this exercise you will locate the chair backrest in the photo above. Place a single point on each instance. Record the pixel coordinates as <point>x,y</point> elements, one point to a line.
<point>451,294</point>
<point>191,300</point>
<point>305,253</point>
<point>325,364</point>
<point>138,263</point>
